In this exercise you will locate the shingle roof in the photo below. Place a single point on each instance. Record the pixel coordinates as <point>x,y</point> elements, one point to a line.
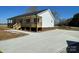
<point>27,14</point>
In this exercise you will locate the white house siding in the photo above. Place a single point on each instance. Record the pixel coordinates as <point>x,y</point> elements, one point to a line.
<point>47,19</point>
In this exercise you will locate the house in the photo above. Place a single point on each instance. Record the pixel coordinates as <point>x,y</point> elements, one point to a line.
<point>34,21</point>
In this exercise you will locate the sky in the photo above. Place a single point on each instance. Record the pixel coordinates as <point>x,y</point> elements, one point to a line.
<point>64,12</point>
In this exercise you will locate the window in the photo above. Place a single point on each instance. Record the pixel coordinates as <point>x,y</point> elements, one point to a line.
<point>38,19</point>
<point>28,20</point>
<point>35,20</point>
<point>21,21</point>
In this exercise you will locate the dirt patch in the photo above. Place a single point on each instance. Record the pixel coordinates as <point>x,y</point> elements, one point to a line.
<point>4,35</point>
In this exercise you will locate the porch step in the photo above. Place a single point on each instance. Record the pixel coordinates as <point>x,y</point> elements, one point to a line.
<point>17,26</point>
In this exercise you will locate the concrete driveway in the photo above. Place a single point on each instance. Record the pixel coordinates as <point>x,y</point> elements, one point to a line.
<point>53,41</point>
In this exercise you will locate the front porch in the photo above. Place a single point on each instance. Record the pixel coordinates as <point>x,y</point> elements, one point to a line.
<point>30,23</point>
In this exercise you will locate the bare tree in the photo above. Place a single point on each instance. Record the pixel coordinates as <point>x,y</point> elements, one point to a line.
<point>32,9</point>
<point>57,18</point>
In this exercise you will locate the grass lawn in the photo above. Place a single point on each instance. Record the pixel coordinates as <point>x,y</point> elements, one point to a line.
<point>68,28</point>
<point>4,27</point>
<point>1,52</point>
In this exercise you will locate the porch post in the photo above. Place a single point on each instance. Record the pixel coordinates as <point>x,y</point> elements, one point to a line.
<point>7,22</point>
<point>10,21</point>
<point>36,23</point>
<point>30,23</point>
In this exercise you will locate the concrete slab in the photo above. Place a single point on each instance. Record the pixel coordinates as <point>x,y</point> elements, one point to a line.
<point>53,41</point>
